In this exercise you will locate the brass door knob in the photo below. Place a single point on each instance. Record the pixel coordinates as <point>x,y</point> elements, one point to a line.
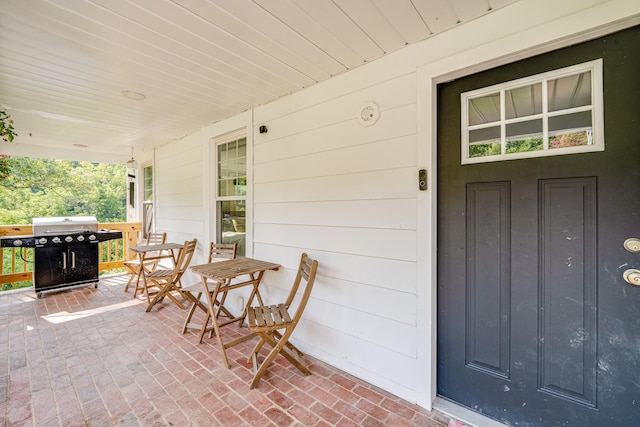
<point>632,276</point>
<point>632,244</point>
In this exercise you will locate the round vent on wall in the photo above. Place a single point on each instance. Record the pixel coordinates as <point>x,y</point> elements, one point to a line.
<point>369,114</point>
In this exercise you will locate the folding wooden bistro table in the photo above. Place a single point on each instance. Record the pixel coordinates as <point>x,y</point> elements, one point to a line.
<point>222,275</point>
<point>156,252</point>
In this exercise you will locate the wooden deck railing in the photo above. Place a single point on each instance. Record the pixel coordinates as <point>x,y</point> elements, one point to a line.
<point>16,264</point>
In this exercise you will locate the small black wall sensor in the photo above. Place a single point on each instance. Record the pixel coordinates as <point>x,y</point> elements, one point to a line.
<point>262,129</point>
<point>422,179</point>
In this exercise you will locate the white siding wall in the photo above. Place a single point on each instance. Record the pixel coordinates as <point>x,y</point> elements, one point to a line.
<point>348,194</point>
<point>178,196</point>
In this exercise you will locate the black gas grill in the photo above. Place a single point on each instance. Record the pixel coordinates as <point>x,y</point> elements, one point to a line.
<point>65,251</point>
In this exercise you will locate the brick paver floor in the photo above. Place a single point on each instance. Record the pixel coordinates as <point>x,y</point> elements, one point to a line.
<point>93,357</point>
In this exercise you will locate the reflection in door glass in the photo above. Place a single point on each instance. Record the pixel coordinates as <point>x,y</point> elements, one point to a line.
<point>570,130</point>
<point>484,109</point>
<point>523,101</point>
<point>485,142</point>
<point>569,92</point>
<point>524,136</point>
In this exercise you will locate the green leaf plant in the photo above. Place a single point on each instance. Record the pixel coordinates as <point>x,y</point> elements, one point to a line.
<point>6,127</point>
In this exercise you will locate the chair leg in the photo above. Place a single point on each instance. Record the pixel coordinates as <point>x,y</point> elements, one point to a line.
<point>131,277</point>
<point>157,297</point>
<point>291,357</point>
<point>146,291</point>
<point>222,308</point>
<point>204,328</point>
<point>291,346</point>
<point>278,347</point>
<point>192,311</point>
<point>255,351</point>
<point>133,273</point>
<point>166,291</point>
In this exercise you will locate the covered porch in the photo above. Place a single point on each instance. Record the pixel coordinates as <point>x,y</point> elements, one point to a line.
<point>92,356</point>
<point>339,158</point>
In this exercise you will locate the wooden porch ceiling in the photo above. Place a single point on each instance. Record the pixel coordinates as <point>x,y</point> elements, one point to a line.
<point>71,71</point>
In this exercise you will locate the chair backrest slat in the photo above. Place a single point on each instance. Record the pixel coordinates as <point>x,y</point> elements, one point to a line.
<point>307,273</point>
<point>222,251</point>
<point>184,259</point>
<point>156,238</point>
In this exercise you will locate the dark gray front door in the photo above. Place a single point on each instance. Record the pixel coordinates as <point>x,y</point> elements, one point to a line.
<point>536,326</point>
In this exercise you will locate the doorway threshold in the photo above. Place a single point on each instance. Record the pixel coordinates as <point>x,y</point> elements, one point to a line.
<point>469,417</point>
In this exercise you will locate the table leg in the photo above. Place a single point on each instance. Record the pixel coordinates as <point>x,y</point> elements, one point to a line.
<point>141,274</point>
<point>211,298</point>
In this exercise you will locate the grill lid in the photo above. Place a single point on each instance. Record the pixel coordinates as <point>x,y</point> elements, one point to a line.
<point>68,224</point>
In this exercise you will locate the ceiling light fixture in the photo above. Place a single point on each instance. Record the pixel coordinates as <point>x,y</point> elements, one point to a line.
<point>132,164</point>
<point>136,96</point>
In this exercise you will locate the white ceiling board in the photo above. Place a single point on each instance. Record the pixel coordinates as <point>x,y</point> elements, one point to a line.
<point>496,4</point>
<point>186,31</point>
<point>289,62</point>
<point>402,15</point>
<point>308,27</point>
<point>218,67</point>
<point>439,15</point>
<point>368,17</point>
<point>81,56</point>
<point>342,27</point>
<point>64,64</point>
<point>469,9</point>
<point>273,27</point>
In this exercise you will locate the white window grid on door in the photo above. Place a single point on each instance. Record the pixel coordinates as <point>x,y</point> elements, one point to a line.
<point>594,133</point>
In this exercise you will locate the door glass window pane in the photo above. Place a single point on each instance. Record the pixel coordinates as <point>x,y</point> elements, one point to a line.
<point>485,142</point>
<point>569,92</point>
<point>485,109</point>
<point>523,101</point>
<point>557,112</point>
<point>524,136</point>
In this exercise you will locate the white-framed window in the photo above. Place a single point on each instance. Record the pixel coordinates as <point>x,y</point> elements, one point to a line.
<point>231,192</point>
<point>549,114</point>
<point>147,200</point>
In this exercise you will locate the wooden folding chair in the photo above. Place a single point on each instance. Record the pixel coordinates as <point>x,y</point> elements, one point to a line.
<point>168,281</point>
<point>217,252</point>
<point>133,265</point>
<point>275,324</point>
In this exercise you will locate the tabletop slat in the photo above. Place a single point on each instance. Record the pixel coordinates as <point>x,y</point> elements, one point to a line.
<point>222,270</point>
<point>160,247</point>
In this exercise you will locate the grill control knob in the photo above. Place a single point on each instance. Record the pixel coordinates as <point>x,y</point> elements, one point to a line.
<point>17,242</point>
<point>92,237</point>
<point>80,238</point>
<point>42,240</point>
<point>56,240</point>
<point>68,239</point>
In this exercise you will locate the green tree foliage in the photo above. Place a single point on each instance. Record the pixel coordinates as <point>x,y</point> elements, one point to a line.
<point>5,169</point>
<point>43,187</point>
<point>7,133</point>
